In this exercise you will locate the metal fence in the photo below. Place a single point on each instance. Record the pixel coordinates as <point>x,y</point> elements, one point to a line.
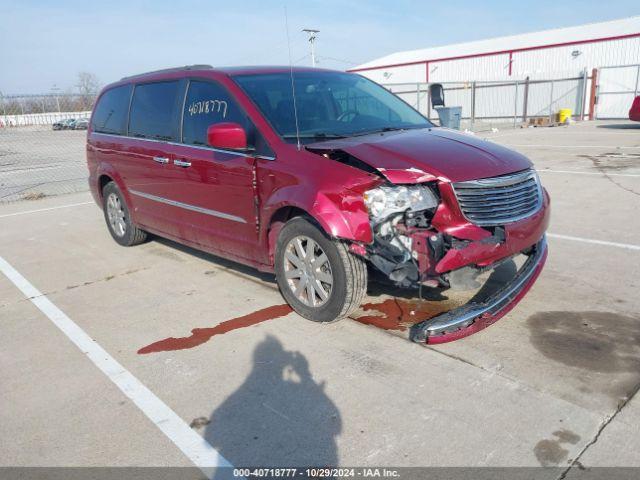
<point>36,160</point>
<point>617,87</point>
<point>21,110</point>
<point>490,104</point>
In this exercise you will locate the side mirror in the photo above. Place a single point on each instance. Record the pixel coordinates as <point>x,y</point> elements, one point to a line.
<point>227,135</point>
<point>436,93</point>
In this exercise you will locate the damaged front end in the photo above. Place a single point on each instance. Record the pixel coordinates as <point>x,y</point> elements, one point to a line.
<point>399,214</point>
<point>429,231</point>
<point>437,234</point>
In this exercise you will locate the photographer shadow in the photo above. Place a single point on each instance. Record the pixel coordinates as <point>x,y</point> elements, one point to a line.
<point>279,417</point>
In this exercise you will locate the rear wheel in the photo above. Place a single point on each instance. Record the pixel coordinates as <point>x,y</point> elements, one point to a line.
<point>116,214</point>
<point>317,276</point>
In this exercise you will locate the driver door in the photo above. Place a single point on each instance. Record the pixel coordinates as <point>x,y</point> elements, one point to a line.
<point>215,186</point>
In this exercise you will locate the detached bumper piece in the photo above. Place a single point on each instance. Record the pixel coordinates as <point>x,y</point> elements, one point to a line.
<point>472,317</point>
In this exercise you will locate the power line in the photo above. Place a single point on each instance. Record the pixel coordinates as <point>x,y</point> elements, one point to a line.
<point>260,54</point>
<point>338,60</point>
<point>301,58</point>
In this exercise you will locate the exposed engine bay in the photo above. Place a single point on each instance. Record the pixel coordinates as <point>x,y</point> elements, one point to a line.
<point>392,251</point>
<point>445,225</point>
<point>407,248</point>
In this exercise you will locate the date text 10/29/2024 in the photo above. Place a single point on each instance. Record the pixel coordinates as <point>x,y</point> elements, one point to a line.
<point>316,472</point>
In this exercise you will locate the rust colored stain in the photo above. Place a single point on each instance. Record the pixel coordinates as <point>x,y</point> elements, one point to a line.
<point>201,335</point>
<point>398,314</point>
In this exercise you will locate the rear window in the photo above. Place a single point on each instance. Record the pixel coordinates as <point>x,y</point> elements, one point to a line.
<point>110,114</point>
<point>154,111</point>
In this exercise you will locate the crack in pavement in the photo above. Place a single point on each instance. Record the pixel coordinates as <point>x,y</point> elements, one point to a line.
<point>598,167</point>
<point>498,373</point>
<point>71,287</point>
<point>594,440</point>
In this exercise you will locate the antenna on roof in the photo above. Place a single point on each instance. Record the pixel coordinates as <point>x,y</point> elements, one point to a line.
<point>293,88</point>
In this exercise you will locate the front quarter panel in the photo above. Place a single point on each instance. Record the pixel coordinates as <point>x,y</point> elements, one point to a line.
<point>328,191</point>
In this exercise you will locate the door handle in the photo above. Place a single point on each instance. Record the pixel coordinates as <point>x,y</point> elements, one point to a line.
<point>182,163</point>
<point>163,160</point>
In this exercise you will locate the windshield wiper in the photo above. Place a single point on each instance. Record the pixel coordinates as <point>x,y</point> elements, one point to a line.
<point>164,138</point>
<point>314,136</point>
<point>384,129</point>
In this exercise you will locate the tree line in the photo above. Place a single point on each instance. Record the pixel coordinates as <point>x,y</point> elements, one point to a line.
<point>80,99</point>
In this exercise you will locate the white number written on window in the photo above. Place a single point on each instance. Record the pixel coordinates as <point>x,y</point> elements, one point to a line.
<point>208,106</point>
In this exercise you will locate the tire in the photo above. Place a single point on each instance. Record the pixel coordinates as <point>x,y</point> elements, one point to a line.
<point>119,222</point>
<point>347,271</point>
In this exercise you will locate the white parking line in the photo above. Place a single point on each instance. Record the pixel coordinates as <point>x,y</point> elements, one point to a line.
<point>568,146</point>
<point>565,132</point>
<point>45,209</point>
<point>577,172</point>
<point>627,246</point>
<point>196,448</point>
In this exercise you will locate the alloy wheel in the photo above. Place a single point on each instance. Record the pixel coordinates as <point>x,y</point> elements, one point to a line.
<point>308,271</point>
<point>116,215</point>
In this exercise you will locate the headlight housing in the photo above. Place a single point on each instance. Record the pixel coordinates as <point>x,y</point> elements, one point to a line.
<point>386,200</point>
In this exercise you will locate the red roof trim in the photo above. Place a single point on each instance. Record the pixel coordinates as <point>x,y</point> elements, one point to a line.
<point>500,52</point>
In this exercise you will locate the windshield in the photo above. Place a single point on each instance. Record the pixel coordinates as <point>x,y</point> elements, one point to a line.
<point>328,104</point>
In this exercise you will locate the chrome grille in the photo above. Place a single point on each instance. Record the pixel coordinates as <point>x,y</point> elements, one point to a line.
<point>499,200</point>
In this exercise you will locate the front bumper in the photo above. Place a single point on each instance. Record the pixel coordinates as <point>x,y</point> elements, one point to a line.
<point>472,317</point>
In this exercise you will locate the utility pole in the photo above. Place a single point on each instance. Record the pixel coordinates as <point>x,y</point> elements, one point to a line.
<point>55,91</point>
<point>312,38</point>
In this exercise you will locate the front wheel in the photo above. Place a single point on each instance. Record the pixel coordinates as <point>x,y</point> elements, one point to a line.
<point>317,276</point>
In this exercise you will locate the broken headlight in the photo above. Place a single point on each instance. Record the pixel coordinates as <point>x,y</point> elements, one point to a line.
<point>386,200</point>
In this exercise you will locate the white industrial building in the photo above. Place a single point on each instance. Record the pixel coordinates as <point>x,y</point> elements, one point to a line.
<point>559,54</point>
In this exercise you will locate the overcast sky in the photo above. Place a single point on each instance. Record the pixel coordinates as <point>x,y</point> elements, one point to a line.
<point>46,43</point>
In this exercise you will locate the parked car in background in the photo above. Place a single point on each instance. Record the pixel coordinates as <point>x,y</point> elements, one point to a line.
<point>66,124</point>
<point>634,111</point>
<point>81,124</point>
<point>316,186</point>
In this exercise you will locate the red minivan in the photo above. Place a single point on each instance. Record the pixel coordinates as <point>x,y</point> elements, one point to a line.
<point>319,176</point>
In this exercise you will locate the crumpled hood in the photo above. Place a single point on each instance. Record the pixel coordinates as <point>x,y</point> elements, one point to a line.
<point>414,156</point>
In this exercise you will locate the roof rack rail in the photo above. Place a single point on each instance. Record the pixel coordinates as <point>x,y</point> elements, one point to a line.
<point>168,70</point>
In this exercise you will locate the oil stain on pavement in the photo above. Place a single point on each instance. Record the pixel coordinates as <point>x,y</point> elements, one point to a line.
<point>201,335</point>
<point>599,341</point>
<point>550,452</point>
<point>604,343</point>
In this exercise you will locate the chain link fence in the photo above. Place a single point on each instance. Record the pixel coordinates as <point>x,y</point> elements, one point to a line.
<point>501,104</point>
<point>42,145</point>
<point>42,137</point>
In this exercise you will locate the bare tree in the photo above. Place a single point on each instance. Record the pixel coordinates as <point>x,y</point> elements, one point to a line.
<point>87,83</point>
<point>87,86</point>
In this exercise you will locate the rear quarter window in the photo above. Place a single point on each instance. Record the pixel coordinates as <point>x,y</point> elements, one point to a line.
<point>155,110</point>
<point>110,114</point>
